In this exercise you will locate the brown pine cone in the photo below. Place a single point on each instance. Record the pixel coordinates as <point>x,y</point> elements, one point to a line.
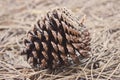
<point>56,38</point>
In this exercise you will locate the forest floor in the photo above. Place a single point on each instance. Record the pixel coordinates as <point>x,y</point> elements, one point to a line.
<point>102,20</point>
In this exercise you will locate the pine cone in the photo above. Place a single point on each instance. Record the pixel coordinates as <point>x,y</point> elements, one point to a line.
<point>55,39</point>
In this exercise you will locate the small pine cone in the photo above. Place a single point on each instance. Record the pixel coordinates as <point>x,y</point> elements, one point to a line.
<point>55,39</point>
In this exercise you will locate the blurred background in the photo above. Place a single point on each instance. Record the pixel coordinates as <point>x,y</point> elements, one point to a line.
<point>99,13</point>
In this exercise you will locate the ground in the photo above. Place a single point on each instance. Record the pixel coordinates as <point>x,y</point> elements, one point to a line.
<point>102,18</point>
